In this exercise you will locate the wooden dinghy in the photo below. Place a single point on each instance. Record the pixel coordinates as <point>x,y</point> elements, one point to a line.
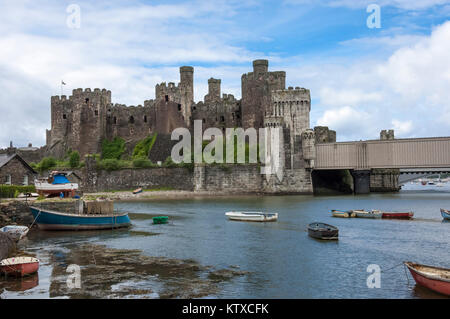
<point>19,266</point>
<point>433,278</point>
<point>137,191</point>
<point>252,216</point>
<point>360,213</point>
<point>398,215</point>
<point>445,214</point>
<point>15,232</point>
<point>323,231</point>
<point>342,213</point>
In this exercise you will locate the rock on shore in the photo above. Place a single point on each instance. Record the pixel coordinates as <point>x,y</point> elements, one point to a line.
<point>7,246</point>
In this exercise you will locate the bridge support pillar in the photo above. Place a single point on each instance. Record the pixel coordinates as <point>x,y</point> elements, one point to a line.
<point>361,181</point>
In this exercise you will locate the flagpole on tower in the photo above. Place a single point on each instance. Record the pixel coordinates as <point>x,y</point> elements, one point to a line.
<point>62,83</point>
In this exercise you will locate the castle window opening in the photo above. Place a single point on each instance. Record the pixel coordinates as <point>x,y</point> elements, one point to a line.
<point>204,121</point>
<point>179,107</point>
<point>167,98</point>
<point>64,116</point>
<point>115,120</point>
<point>87,100</point>
<point>145,118</point>
<point>222,118</point>
<point>131,120</point>
<point>96,112</point>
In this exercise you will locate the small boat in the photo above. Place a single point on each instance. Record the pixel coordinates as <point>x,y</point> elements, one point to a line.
<point>445,214</point>
<point>341,213</point>
<point>51,220</point>
<point>55,185</point>
<point>137,191</point>
<point>323,231</point>
<point>398,215</point>
<point>160,219</point>
<point>434,278</point>
<point>19,266</point>
<point>431,183</point>
<point>368,214</point>
<point>15,232</point>
<point>424,183</point>
<point>252,216</point>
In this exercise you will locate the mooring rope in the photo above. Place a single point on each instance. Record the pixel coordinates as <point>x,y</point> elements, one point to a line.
<point>35,219</point>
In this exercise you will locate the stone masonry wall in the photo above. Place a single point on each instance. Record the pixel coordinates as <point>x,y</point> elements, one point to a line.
<point>384,180</point>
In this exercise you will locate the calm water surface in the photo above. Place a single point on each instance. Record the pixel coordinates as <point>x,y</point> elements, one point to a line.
<point>282,261</point>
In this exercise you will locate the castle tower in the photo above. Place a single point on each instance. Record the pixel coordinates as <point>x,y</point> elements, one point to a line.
<point>257,87</point>
<point>213,90</point>
<point>186,88</point>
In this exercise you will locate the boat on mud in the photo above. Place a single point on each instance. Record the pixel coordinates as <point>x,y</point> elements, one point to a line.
<point>55,185</point>
<point>323,231</point>
<point>445,214</point>
<point>15,232</point>
<point>19,266</point>
<point>342,213</point>
<point>433,278</point>
<point>252,216</point>
<point>360,213</point>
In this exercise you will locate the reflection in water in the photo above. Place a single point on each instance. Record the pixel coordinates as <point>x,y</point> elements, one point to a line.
<point>20,284</point>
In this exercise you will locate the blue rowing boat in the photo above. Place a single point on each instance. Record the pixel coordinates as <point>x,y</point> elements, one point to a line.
<point>445,214</point>
<point>51,220</point>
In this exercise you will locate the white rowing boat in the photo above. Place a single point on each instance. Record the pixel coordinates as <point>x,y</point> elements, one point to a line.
<point>16,232</point>
<point>252,216</point>
<point>368,214</point>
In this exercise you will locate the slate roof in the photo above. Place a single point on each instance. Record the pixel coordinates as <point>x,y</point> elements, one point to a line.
<point>5,159</point>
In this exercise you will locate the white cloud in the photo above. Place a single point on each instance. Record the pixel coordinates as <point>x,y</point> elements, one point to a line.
<point>402,128</point>
<point>357,4</point>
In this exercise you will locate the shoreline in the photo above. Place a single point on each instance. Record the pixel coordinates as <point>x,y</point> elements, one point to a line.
<point>167,194</point>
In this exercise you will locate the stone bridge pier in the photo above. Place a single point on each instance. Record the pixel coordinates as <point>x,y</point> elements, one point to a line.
<point>361,181</point>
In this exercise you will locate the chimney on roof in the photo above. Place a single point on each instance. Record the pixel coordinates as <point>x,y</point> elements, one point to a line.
<point>10,150</point>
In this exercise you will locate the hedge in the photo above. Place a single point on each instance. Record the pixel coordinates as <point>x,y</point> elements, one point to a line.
<point>10,191</point>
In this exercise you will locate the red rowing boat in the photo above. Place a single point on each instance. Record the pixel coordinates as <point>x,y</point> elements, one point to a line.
<point>19,266</point>
<point>398,215</point>
<point>434,278</point>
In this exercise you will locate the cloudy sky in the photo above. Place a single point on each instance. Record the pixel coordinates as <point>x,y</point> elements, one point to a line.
<point>362,79</point>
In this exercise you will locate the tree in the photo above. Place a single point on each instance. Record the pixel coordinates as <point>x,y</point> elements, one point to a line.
<point>74,159</point>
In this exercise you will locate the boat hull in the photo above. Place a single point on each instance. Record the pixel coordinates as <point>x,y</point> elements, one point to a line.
<point>445,214</point>
<point>252,217</point>
<point>49,220</point>
<point>323,232</point>
<point>365,214</point>
<point>431,282</point>
<point>20,269</point>
<point>395,215</point>
<point>342,214</point>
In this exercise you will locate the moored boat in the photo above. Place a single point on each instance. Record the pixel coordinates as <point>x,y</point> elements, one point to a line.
<point>434,278</point>
<point>445,214</point>
<point>160,219</point>
<point>252,216</point>
<point>19,266</point>
<point>398,215</point>
<point>52,220</point>
<point>368,214</point>
<point>137,191</point>
<point>323,231</point>
<point>341,213</point>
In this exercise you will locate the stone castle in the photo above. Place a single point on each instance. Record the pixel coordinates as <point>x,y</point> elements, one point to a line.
<point>83,120</point>
<point>87,117</point>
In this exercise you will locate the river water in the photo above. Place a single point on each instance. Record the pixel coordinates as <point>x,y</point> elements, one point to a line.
<point>202,254</point>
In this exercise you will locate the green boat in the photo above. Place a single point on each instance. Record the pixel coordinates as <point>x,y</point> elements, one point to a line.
<point>160,219</point>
